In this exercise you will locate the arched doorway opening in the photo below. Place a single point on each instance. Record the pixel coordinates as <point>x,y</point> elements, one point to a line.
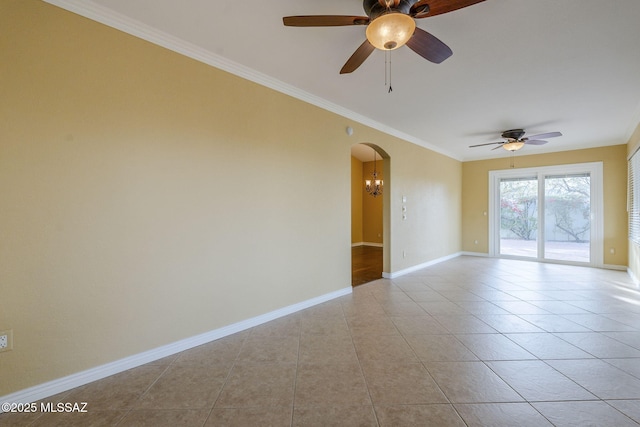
<point>369,213</point>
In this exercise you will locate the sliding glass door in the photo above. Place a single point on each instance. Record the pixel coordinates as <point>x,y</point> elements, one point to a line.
<point>519,216</point>
<point>567,217</point>
<point>548,213</point>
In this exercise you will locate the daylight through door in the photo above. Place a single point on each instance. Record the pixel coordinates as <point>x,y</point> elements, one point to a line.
<point>550,213</point>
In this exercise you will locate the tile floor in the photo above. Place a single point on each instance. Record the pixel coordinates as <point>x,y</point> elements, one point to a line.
<point>468,342</point>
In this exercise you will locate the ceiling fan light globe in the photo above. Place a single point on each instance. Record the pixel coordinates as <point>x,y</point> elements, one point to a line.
<point>391,30</point>
<point>513,146</point>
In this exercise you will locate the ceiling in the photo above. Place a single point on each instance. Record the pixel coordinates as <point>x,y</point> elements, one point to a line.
<point>546,65</point>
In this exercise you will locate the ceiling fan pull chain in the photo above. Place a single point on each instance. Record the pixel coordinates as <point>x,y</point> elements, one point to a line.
<point>390,88</point>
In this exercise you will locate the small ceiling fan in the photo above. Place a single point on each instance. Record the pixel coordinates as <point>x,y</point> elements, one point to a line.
<point>515,140</point>
<point>390,25</point>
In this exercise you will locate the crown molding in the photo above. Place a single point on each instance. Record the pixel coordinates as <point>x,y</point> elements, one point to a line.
<point>108,17</point>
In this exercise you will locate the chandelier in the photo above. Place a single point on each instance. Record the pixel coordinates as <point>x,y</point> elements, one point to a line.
<point>374,186</point>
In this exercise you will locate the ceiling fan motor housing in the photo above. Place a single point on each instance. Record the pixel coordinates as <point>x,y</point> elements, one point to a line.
<point>515,134</point>
<point>374,9</point>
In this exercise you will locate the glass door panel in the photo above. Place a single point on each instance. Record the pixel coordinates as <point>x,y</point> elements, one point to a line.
<point>567,217</point>
<point>519,217</point>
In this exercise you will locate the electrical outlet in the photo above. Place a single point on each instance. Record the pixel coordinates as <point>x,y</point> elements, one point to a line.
<point>6,340</point>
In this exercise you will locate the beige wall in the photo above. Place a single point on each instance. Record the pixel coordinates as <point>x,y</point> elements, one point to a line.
<point>475,194</point>
<point>148,198</point>
<point>372,226</point>
<point>356,200</point>
<point>634,250</point>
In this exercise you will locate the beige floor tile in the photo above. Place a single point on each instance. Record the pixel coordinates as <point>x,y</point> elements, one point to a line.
<point>442,307</point>
<point>627,317</point>
<point>393,295</point>
<point>262,385</point>
<point>388,348</point>
<point>629,338</point>
<point>245,417</point>
<point>460,296</point>
<point>492,295</point>
<point>471,382</point>
<point>392,343</point>
<point>425,295</point>
<point>401,384</point>
<point>508,323</point>
<point>337,384</point>
<point>409,286</point>
<point>521,307</point>
<point>547,346</point>
<point>10,419</point>
<point>418,415</point>
<point>630,366</point>
<point>598,323</point>
<point>559,307</point>
<point>418,325</point>
<point>530,296</point>
<point>599,345</point>
<point>71,419</point>
<point>501,415</point>
<point>324,325</point>
<point>494,347</point>
<point>463,324</point>
<point>165,418</point>
<point>403,309</point>
<point>327,349</point>
<point>372,310</point>
<point>481,307</point>
<point>553,323</point>
<point>631,408</point>
<point>224,350</point>
<point>439,348</point>
<point>288,326</point>
<point>331,308</point>
<point>536,381</point>
<point>580,414</point>
<point>600,378</point>
<point>333,415</point>
<point>258,349</point>
<point>16,419</point>
<point>117,392</point>
<point>372,325</point>
<point>185,387</point>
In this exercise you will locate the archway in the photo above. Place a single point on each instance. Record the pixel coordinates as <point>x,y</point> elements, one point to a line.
<point>370,235</point>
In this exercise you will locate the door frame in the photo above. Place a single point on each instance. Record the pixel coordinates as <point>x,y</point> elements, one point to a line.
<point>596,247</point>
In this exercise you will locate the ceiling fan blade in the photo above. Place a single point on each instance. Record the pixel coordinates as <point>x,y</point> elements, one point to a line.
<point>324,20</point>
<point>488,143</point>
<point>429,46</point>
<point>545,135</point>
<point>499,146</point>
<point>358,57</point>
<point>535,142</point>
<point>438,7</point>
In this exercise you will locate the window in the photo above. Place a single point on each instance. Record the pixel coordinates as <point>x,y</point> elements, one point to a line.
<point>634,198</point>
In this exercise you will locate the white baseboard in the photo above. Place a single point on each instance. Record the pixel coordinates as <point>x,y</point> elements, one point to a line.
<point>615,267</point>
<point>604,266</point>
<point>399,273</point>
<point>480,254</point>
<point>377,245</point>
<point>69,382</point>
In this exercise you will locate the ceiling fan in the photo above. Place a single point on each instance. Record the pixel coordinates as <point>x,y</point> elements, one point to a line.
<point>515,139</point>
<point>390,25</point>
